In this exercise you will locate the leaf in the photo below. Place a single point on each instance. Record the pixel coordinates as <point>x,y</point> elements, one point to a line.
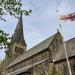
<point>30,11</point>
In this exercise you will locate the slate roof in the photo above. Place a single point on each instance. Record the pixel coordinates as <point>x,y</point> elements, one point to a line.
<point>70,47</point>
<point>24,69</point>
<point>36,49</point>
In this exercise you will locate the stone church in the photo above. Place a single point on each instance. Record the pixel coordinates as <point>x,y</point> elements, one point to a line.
<point>45,58</point>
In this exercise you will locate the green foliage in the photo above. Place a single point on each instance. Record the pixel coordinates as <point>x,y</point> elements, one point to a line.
<point>3,39</point>
<point>13,7</point>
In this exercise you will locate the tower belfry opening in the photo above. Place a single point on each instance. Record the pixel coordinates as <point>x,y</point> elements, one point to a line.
<point>17,44</point>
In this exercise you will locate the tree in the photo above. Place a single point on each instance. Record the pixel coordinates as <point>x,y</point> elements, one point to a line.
<point>12,7</point>
<point>3,39</point>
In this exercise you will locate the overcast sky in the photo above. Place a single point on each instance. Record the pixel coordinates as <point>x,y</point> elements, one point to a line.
<point>43,21</point>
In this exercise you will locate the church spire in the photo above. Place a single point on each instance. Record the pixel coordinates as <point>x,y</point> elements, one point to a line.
<point>17,45</point>
<point>18,36</point>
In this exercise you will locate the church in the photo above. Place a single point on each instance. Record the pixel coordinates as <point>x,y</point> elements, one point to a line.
<point>46,58</point>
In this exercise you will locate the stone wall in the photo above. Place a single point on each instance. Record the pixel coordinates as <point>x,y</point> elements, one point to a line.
<point>62,68</point>
<point>29,61</point>
<point>46,67</point>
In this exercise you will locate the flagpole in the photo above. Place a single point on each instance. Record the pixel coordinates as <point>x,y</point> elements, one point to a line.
<point>64,45</point>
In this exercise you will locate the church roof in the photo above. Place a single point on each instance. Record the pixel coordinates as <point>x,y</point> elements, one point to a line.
<point>70,47</point>
<point>24,69</point>
<point>36,49</point>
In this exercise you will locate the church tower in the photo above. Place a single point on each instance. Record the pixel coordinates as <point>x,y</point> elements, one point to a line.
<point>17,45</point>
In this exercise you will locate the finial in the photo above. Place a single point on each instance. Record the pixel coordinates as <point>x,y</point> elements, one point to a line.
<point>57,30</point>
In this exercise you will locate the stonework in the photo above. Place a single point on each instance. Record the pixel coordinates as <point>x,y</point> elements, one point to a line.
<point>46,58</point>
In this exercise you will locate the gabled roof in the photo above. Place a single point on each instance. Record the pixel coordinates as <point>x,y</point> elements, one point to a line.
<point>70,47</point>
<point>36,49</point>
<point>24,69</point>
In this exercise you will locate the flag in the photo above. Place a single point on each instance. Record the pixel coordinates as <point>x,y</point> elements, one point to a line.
<point>70,17</point>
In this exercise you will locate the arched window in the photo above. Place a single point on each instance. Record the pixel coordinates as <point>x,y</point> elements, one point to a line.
<point>16,49</point>
<point>19,49</point>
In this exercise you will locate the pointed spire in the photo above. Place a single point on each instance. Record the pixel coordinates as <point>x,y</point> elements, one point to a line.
<point>18,36</point>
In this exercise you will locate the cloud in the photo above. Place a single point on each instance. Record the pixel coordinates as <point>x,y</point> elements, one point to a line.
<point>65,7</point>
<point>42,23</point>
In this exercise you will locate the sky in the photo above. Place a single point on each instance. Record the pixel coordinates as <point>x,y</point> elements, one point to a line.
<point>42,22</point>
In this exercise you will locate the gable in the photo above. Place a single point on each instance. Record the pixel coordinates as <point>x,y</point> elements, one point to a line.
<point>36,49</point>
<point>70,47</point>
<point>55,45</point>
